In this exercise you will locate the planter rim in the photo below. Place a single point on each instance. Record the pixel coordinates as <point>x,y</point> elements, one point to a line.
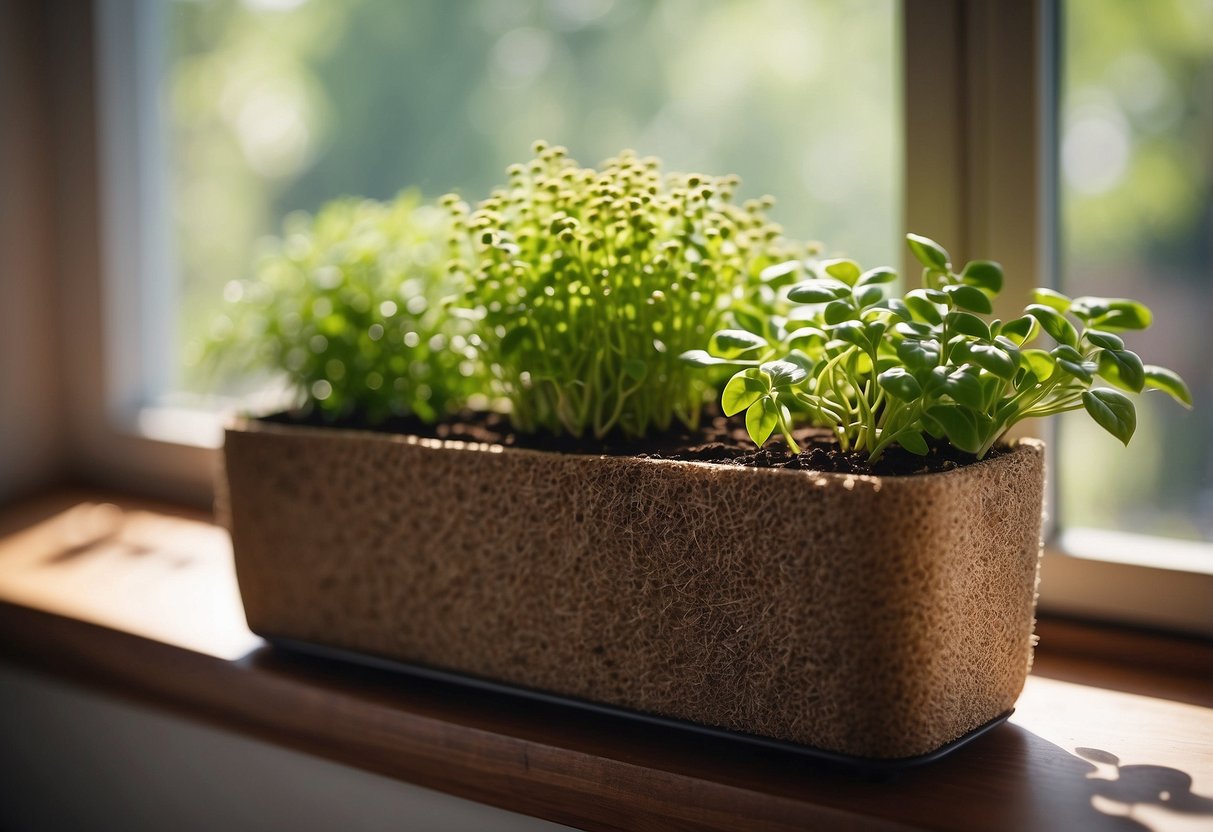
<point>254,424</point>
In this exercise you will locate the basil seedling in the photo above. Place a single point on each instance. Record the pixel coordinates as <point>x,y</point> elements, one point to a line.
<point>880,370</point>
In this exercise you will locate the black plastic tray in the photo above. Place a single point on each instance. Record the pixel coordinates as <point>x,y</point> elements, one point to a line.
<point>738,739</point>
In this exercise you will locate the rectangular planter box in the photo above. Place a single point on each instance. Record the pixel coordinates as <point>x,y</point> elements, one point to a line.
<point>873,617</point>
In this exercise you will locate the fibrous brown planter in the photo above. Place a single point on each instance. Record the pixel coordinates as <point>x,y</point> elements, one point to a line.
<point>873,617</point>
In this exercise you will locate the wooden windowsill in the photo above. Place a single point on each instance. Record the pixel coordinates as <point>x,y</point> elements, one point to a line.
<point>140,599</point>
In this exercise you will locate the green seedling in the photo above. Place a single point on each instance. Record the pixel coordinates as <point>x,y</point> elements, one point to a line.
<point>350,306</point>
<point>880,369</point>
<point>585,286</point>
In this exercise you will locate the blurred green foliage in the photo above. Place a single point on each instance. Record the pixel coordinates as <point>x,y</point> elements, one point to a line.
<point>352,305</point>
<point>276,106</point>
<point>1137,220</point>
<point>1137,130</point>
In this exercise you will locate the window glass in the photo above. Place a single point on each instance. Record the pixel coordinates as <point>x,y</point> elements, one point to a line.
<point>1136,164</point>
<point>279,105</point>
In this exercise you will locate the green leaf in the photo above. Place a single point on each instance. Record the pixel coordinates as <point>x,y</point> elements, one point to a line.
<point>1054,300</point>
<point>868,295</point>
<point>880,274</point>
<point>1113,314</point>
<point>1078,369</point>
<point>862,366</point>
<point>701,358</point>
<point>761,418</point>
<point>994,359</point>
<point>1071,361</point>
<point>1054,323</point>
<point>959,425</point>
<point>898,307</point>
<point>784,374</point>
<point>735,343</point>
<point>874,331</point>
<point>969,297</point>
<point>984,274</point>
<point>852,333</point>
<point>750,320</point>
<point>1107,340</point>
<point>799,316</point>
<point>1007,344</point>
<point>932,427</point>
<point>930,253</point>
<point>801,360</point>
<point>780,271</point>
<point>1124,315</point>
<point>899,383</point>
<point>967,324</point>
<point>876,312</point>
<point>1112,411</point>
<point>922,308</point>
<point>805,336</point>
<point>1168,381</point>
<point>964,386</point>
<point>635,368</point>
<point>912,441</point>
<point>1064,352</point>
<point>1038,362</point>
<point>992,388</point>
<point>837,311</point>
<point>845,270</point>
<point>1122,368</point>
<point>1020,330</point>
<point>818,290</point>
<point>919,356</point>
<point>743,390</point>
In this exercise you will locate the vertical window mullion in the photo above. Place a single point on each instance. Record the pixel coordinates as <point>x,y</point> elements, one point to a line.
<point>977,156</point>
<point>139,291</point>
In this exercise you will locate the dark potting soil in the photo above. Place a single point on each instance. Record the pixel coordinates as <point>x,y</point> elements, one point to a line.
<point>719,441</point>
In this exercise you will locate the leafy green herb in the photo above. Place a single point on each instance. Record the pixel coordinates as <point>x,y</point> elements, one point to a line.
<point>880,369</point>
<point>585,286</point>
<point>349,305</point>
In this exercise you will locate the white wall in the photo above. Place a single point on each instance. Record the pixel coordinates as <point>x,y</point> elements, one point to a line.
<point>31,423</point>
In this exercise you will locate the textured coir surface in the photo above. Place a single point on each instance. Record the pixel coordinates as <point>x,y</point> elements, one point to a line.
<point>873,617</point>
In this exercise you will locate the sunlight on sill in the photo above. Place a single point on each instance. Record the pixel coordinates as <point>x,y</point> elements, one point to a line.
<point>181,426</point>
<point>1138,550</point>
<point>129,566</point>
<point>198,421</point>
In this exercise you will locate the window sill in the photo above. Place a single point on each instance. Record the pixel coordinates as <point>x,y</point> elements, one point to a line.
<point>140,599</point>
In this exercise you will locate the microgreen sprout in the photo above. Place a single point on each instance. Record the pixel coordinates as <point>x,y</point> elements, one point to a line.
<point>349,305</point>
<point>587,285</point>
<point>880,369</point>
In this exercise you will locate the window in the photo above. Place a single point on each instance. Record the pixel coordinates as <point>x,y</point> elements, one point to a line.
<point>220,118</point>
<point>272,107</point>
<point>1135,155</point>
<point>1136,186</point>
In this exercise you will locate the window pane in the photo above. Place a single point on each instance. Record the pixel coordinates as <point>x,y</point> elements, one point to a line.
<point>280,105</point>
<point>1137,207</point>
